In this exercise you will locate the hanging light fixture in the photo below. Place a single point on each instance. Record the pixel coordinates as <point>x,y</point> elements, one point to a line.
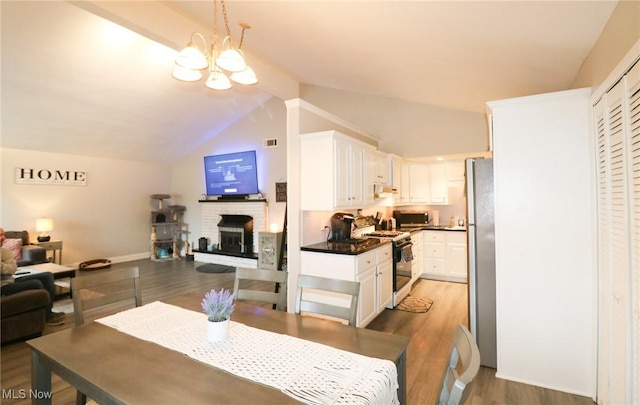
<point>193,59</point>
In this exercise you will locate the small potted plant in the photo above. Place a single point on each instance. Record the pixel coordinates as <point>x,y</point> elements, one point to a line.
<point>218,305</point>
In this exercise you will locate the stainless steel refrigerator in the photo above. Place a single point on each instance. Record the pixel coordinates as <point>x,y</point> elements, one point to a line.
<point>481,257</point>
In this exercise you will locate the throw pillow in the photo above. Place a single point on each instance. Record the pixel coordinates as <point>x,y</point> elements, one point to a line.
<point>15,246</point>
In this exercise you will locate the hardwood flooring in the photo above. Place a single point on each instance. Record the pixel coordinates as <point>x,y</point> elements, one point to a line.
<point>430,333</point>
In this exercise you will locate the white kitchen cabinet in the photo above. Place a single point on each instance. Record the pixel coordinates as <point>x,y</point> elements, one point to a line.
<point>398,177</point>
<point>456,255</point>
<point>379,167</point>
<point>454,171</point>
<point>445,255</point>
<point>434,254</point>
<point>419,183</point>
<point>373,269</point>
<point>439,185</point>
<point>384,279</point>
<point>418,259</point>
<point>428,183</point>
<point>332,171</point>
<point>404,187</point>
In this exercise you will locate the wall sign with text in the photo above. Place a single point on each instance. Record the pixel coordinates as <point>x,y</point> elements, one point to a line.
<point>50,177</point>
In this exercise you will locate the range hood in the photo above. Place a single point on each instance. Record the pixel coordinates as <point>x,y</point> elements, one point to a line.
<point>381,191</point>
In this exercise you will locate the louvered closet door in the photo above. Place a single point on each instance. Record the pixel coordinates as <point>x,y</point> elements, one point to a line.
<point>633,93</point>
<point>617,126</point>
<point>604,255</point>
<point>619,277</point>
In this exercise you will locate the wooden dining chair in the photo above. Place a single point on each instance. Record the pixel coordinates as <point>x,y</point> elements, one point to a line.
<point>251,291</point>
<point>100,290</point>
<point>352,288</point>
<point>92,291</point>
<point>463,365</point>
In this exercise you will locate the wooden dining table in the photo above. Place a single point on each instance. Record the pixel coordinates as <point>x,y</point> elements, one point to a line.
<point>116,368</point>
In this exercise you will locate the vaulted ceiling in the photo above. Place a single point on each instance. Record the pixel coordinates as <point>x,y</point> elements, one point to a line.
<point>75,82</point>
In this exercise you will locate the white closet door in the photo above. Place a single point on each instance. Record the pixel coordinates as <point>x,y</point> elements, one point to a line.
<point>604,254</point>
<point>617,132</point>
<point>633,101</point>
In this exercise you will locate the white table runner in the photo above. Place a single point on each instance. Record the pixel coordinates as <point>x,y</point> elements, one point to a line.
<point>310,372</point>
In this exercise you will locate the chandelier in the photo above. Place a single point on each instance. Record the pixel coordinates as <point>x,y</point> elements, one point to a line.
<point>221,58</point>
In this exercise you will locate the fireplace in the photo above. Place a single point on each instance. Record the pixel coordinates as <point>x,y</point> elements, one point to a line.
<point>235,233</point>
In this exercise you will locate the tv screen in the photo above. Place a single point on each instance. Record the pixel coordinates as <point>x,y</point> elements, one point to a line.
<point>231,174</point>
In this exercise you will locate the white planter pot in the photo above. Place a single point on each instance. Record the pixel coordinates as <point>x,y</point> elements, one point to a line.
<point>217,331</point>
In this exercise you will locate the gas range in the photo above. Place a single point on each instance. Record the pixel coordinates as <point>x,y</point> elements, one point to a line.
<point>393,235</point>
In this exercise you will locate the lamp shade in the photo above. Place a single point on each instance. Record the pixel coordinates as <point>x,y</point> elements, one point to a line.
<point>218,80</point>
<point>44,224</point>
<point>232,60</point>
<point>186,75</point>
<point>247,77</point>
<point>192,58</point>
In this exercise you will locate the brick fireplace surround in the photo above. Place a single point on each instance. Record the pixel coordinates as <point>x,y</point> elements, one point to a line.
<point>210,214</point>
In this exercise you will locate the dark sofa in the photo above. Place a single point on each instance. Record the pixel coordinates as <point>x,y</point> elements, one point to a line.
<point>31,254</point>
<point>23,315</point>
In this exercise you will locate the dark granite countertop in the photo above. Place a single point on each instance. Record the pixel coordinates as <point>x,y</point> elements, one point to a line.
<point>434,228</point>
<point>343,248</point>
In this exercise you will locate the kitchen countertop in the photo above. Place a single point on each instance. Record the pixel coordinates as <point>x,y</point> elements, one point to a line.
<point>342,248</point>
<point>434,228</point>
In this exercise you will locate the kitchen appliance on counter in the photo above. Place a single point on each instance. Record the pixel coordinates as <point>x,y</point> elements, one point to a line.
<point>402,261</point>
<point>341,226</point>
<point>406,219</point>
<point>481,257</point>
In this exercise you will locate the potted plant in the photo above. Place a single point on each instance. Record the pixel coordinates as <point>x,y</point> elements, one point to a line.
<point>218,305</point>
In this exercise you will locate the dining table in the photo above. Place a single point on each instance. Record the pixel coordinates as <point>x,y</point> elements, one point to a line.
<point>113,367</point>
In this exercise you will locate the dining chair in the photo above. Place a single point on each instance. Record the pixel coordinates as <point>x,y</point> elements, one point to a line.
<point>92,291</point>
<point>463,365</point>
<point>278,277</point>
<point>352,288</point>
<point>99,290</point>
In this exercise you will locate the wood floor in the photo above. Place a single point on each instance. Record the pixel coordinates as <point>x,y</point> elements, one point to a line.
<point>430,333</point>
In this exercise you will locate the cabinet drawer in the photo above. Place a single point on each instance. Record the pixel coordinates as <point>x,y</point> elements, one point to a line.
<point>434,236</point>
<point>434,266</point>
<point>434,250</point>
<point>457,237</point>
<point>384,254</point>
<point>365,261</point>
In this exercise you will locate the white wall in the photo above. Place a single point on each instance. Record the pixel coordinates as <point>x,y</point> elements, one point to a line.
<point>408,129</point>
<point>248,133</point>
<point>107,218</point>
<point>545,241</point>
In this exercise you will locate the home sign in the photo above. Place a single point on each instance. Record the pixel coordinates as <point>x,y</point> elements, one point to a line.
<point>50,177</point>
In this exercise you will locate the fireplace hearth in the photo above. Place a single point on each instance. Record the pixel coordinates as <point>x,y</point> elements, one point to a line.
<point>235,234</point>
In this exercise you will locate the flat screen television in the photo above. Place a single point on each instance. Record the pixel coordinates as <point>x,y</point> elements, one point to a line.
<point>232,175</point>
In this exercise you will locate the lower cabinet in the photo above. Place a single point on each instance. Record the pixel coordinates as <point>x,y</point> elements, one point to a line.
<point>373,269</point>
<point>445,255</point>
<point>418,255</point>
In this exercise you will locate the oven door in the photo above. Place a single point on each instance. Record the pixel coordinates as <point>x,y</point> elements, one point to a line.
<point>403,261</point>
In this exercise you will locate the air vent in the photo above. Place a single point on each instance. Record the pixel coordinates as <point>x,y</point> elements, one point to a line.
<point>271,143</point>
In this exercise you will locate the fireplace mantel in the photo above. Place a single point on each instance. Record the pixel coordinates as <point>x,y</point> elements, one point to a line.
<point>232,201</point>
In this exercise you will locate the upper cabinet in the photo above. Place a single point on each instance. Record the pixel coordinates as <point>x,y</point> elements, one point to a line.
<point>398,177</point>
<point>377,167</point>
<point>428,183</point>
<point>333,171</point>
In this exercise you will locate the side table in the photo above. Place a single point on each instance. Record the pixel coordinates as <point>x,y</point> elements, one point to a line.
<point>53,245</point>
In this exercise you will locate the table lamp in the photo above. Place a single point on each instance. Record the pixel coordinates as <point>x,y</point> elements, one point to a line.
<point>44,225</point>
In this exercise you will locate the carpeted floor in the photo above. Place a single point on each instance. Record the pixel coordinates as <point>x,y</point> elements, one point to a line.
<point>414,304</point>
<point>215,268</point>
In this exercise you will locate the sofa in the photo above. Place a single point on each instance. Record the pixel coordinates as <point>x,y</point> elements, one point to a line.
<point>30,254</point>
<point>23,315</point>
